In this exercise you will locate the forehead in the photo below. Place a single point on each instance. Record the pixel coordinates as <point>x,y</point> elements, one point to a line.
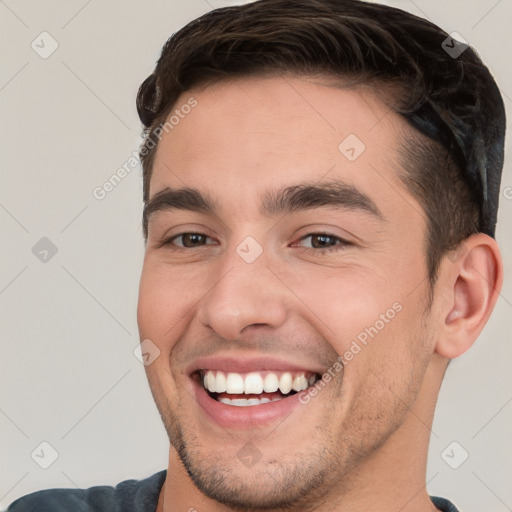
<point>251,135</point>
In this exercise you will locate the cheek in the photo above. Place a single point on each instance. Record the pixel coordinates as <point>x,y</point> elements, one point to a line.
<point>165,299</point>
<point>370,319</point>
<point>347,303</point>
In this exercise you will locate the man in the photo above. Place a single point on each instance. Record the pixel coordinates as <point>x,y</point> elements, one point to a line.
<point>321,181</point>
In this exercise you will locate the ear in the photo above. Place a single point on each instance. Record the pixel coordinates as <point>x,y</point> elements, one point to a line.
<point>470,280</point>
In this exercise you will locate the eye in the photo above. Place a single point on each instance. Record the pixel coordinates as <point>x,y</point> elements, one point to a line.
<point>188,240</point>
<point>321,242</point>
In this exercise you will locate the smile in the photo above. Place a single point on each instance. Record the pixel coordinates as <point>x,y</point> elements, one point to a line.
<point>254,388</point>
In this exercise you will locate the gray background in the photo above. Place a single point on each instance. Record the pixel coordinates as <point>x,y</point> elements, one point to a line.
<point>68,373</point>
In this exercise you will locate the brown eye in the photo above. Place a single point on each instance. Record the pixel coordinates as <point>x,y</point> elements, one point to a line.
<point>188,240</point>
<point>193,239</point>
<point>323,241</point>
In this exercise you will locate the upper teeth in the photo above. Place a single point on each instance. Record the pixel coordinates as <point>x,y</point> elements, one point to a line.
<point>255,383</point>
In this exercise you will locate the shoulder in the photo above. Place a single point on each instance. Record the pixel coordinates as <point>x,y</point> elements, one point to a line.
<point>63,500</point>
<point>133,495</point>
<point>443,504</point>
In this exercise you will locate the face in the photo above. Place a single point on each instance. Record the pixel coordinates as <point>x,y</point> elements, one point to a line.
<point>286,273</point>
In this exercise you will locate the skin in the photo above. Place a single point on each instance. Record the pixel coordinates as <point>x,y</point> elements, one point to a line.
<point>362,442</point>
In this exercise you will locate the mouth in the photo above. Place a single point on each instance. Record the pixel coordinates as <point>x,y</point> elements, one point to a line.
<point>251,391</point>
<point>256,388</point>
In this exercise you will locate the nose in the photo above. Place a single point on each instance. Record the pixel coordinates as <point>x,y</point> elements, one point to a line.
<point>243,295</point>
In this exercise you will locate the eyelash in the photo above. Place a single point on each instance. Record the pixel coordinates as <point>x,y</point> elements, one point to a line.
<point>342,244</point>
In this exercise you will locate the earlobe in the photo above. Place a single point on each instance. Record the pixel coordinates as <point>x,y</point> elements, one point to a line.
<point>472,284</point>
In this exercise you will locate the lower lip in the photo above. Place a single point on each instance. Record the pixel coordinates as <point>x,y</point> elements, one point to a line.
<point>232,416</point>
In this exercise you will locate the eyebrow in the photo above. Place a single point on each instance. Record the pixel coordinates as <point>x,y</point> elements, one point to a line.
<point>304,196</point>
<point>177,199</point>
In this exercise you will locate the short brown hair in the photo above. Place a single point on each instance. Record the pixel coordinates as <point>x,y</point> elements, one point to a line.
<point>452,159</point>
